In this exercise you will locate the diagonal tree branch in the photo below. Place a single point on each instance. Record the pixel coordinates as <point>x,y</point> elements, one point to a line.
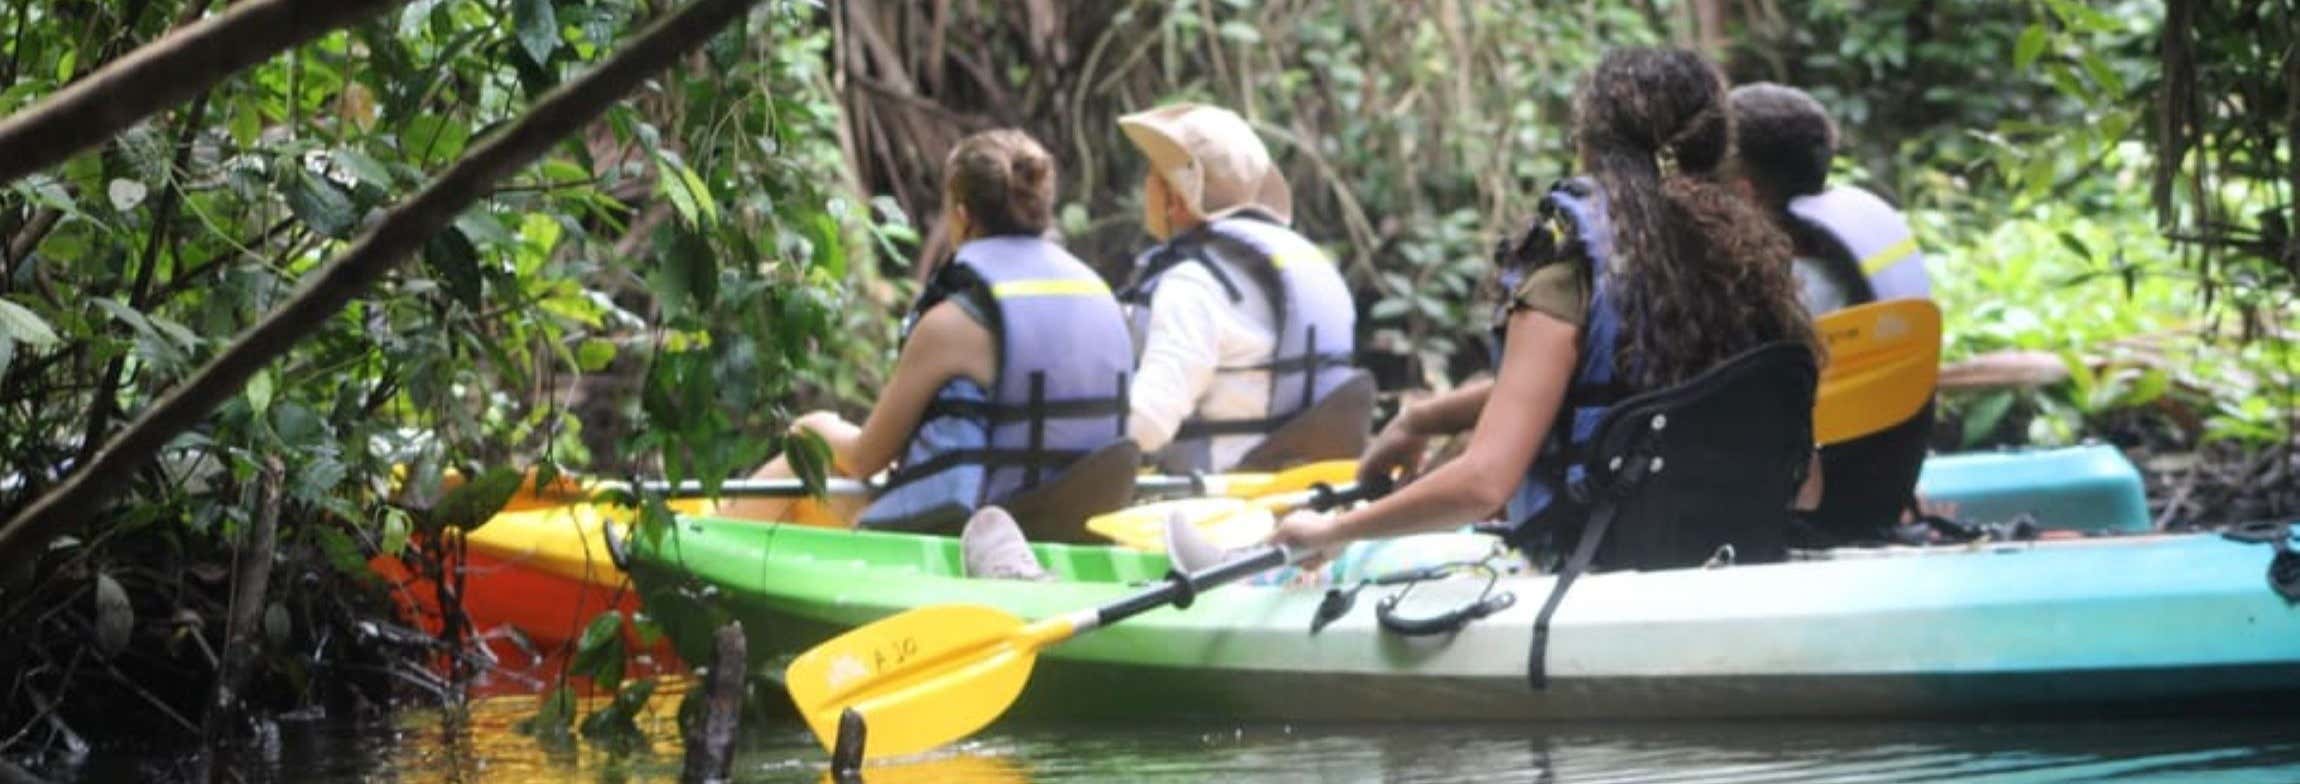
<point>163,73</point>
<point>559,114</point>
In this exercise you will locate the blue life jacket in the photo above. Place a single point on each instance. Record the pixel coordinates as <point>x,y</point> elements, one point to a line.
<point>1063,365</point>
<point>1876,257</point>
<point>1574,212</point>
<point>1316,317</point>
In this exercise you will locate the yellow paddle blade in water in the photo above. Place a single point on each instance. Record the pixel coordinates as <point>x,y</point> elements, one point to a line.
<point>1884,358</point>
<point>1226,522</point>
<point>920,678</point>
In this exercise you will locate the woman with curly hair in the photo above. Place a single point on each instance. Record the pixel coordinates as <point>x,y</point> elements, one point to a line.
<point>1640,276</point>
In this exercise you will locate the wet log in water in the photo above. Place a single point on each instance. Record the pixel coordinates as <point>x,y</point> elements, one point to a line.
<point>711,742</point>
<point>252,574</point>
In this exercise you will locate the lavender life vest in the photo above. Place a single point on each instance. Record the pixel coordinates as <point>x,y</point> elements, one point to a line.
<point>1063,366</point>
<point>1879,248</point>
<point>1316,316</point>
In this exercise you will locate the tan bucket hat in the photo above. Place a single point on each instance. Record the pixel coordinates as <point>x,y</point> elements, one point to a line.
<point>1212,158</point>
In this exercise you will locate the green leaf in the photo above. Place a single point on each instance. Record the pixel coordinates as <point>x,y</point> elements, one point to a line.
<point>125,194</point>
<point>2066,82</point>
<point>2031,44</point>
<point>115,616</point>
<point>484,229</point>
<point>396,528</point>
<point>599,651</point>
<point>594,354</point>
<point>363,168</point>
<point>277,624</point>
<point>560,171</point>
<point>430,139</point>
<point>477,500</point>
<point>247,122</point>
<point>259,392</point>
<point>450,256</point>
<point>2102,75</point>
<point>319,204</point>
<point>1239,32</point>
<point>342,552</point>
<point>614,724</point>
<point>554,716</point>
<point>1984,416</point>
<point>685,190</point>
<point>20,324</point>
<point>538,28</point>
<point>2075,245</point>
<point>810,458</point>
<point>830,249</point>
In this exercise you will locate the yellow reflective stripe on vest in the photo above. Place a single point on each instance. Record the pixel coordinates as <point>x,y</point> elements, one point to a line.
<point>1878,261</point>
<point>1284,259</point>
<point>1050,287</point>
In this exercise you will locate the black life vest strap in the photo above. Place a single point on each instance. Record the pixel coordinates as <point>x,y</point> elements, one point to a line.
<point>1295,364</point>
<point>1838,262</point>
<point>1537,660</point>
<point>1177,252</point>
<point>1005,413</point>
<point>988,458</point>
<point>1037,409</point>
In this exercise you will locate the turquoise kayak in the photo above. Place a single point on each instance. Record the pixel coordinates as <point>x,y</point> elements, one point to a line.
<point>2146,623</point>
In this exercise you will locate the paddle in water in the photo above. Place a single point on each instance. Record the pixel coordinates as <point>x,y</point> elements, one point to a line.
<point>929,676</point>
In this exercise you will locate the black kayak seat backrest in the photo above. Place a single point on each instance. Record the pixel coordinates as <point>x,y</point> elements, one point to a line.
<point>1696,474</point>
<point>1057,510</point>
<point>1712,462</point>
<point>1334,428</point>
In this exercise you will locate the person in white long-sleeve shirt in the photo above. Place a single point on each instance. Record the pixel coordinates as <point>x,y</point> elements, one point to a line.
<point>1240,322</point>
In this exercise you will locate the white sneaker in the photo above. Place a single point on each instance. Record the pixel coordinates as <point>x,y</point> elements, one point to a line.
<point>1188,548</point>
<point>995,549</point>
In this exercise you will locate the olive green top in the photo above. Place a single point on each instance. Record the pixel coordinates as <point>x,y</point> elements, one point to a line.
<point>1558,289</point>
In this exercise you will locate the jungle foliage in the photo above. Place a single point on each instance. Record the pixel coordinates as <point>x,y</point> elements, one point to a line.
<point>698,240</point>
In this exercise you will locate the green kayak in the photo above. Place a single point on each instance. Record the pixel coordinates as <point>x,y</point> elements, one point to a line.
<point>2148,623</point>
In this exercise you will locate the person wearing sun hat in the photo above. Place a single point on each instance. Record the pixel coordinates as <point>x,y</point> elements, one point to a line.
<point>1239,321</point>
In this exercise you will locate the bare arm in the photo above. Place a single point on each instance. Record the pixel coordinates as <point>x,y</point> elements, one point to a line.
<point>1398,450</point>
<point>1448,413</point>
<point>945,344</point>
<point>1531,386</point>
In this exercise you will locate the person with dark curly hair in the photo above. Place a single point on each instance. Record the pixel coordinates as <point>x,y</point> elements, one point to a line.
<point>1852,247</point>
<point>1013,360</point>
<point>1645,273</point>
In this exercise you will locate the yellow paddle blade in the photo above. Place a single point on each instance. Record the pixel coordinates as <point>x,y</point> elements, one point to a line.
<point>1226,522</point>
<point>920,678</point>
<point>1296,479</point>
<point>1884,358</point>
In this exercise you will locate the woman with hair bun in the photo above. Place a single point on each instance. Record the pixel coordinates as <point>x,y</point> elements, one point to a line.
<point>1642,275</point>
<point>1014,359</point>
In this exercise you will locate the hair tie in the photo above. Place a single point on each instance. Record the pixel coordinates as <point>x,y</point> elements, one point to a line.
<point>1665,160</point>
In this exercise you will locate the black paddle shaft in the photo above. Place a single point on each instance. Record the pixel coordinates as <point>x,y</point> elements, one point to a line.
<point>1181,588</point>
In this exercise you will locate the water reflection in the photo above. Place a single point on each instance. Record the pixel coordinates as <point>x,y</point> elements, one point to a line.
<point>485,747</point>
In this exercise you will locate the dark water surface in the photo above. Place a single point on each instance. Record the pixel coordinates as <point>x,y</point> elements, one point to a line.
<point>423,747</point>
